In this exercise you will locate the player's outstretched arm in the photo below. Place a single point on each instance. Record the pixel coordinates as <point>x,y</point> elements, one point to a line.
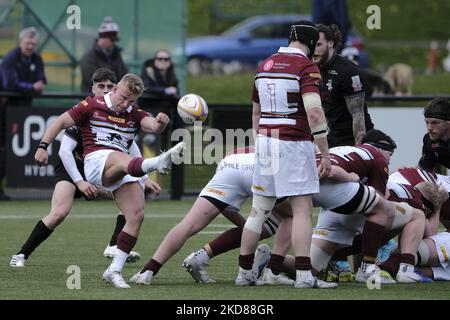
<point>156,124</point>
<point>62,122</point>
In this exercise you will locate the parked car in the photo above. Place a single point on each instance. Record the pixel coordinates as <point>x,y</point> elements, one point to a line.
<point>248,42</point>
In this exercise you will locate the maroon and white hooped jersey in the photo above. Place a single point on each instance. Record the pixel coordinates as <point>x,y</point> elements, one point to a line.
<point>280,82</point>
<point>366,161</point>
<point>411,176</point>
<point>102,128</point>
<point>406,193</point>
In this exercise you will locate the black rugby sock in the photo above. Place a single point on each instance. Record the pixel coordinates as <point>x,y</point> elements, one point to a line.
<point>37,236</point>
<point>120,223</point>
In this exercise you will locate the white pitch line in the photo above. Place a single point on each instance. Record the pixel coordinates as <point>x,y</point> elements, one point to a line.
<point>211,232</point>
<point>90,216</point>
<point>221,225</point>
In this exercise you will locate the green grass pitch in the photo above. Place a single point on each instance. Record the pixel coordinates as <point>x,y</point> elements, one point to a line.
<point>81,239</point>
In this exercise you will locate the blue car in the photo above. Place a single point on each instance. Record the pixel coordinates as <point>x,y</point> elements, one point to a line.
<point>248,42</point>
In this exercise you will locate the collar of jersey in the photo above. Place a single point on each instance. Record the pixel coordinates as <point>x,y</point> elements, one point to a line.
<point>107,98</point>
<point>291,50</point>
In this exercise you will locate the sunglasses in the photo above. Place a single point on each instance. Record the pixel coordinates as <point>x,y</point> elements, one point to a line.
<point>102,86</point>
<point>162,58</point>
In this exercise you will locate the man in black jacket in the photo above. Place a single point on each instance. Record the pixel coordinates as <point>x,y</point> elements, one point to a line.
<point>104,54</point>
<point>343,91</point>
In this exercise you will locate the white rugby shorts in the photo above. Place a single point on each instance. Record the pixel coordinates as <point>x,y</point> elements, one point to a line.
<point>338,228</point>
<point>284,168</point>
<point>94,164</point>
<point>335,194</point>
<point>442,243</point>
<point>232,181</point>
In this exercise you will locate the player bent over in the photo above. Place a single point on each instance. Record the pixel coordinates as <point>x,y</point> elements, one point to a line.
<point>225,193</point>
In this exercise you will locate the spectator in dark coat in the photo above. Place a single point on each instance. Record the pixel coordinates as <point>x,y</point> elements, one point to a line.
<point>161,82</point>
<point>104,54</point>
<point>159,76</point>
<point>22,69</point>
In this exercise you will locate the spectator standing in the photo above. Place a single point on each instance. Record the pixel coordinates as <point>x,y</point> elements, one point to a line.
<point>104,54</point>
<point>343,91</point>
<point>329,12</point>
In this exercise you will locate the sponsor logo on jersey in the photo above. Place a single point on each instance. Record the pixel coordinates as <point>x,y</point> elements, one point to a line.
<point>84,103</point>
<point>444,253</point>
<point>315,75</point>
<point>332,72</point>
<point>321,232</point>
<point>114,119</point>
<point>281,65</point>
<point>268,65</point>
<point>259,188</point>
<point>400,209</point>
<point>329,84</point>
<point>220,193</point>
<point>356,83</point>
<point>100,101</point>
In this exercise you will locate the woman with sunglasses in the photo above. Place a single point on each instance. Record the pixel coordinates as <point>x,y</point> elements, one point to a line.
<point>160,81</point>
<point>159,76</point>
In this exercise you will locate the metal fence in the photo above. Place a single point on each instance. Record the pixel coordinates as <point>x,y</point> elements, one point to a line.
<point>145,26</point>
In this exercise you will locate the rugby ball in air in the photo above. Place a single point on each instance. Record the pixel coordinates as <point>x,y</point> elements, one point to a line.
<point>191,107</point>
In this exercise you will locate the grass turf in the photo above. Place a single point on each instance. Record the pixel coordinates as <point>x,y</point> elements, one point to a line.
<point>81,239</point>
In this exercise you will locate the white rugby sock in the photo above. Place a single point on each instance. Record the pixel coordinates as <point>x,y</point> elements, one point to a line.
<point>150,164</point>
<point>304,274</point>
